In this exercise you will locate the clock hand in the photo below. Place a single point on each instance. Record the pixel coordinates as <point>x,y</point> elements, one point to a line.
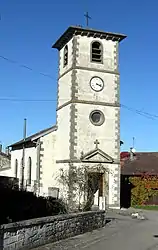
<point>98,84</point>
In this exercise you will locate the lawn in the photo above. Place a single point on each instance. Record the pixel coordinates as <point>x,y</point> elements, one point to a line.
<point>147,207</point>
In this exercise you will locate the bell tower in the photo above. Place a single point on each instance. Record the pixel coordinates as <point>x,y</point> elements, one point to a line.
<point>88,107</point>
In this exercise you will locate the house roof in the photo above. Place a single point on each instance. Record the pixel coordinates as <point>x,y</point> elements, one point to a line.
<point>78,30</point>
<point>142,162</point>
<point>35,136</point>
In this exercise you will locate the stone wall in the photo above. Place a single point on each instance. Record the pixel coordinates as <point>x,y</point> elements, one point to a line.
<point>33,233</point>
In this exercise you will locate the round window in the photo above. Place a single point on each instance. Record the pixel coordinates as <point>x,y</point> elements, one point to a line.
<point>97,117</point>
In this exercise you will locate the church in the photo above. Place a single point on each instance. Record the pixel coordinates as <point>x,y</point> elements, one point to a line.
<point>85,141</point>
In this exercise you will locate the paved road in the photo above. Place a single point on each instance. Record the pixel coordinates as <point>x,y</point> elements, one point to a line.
<point>124,233</point>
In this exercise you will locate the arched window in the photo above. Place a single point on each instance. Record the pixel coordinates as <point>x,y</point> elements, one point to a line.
<point>96,52</point>
<point>29,166</point>
<point>16,168</point>
<point>65,55</point>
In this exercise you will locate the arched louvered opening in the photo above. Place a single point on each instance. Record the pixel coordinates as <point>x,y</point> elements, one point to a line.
<point>65,55</point>
<point>96,52</point>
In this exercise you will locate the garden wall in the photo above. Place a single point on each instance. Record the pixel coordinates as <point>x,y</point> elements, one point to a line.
<point>36,232</point>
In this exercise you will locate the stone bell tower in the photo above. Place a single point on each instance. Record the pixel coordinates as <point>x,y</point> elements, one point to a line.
<point>88,108</point>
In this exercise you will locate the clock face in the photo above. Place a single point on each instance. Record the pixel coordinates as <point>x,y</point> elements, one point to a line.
<point>97,84</point>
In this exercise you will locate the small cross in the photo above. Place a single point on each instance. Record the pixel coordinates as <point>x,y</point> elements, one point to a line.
<point>87,18</point>
<point>96,143</point>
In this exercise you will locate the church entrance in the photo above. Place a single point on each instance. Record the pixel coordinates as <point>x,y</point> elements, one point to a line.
<point>95,189</point>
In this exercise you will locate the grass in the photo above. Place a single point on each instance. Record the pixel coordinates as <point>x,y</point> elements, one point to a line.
<point>147,207</point>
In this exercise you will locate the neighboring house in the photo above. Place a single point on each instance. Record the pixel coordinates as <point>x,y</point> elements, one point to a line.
<point>38,162</point>
<point>5,161</point>
<point>136,165</point>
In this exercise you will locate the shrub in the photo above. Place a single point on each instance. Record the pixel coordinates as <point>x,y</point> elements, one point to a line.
<point>21,205</point>
<point>145,188</point>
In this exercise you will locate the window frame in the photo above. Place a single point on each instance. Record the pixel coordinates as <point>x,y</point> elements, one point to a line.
<point>16,168</point>
<point>64,53</point>
<point>102,117</point>
<point>29,171</point>
<point>91,49</point>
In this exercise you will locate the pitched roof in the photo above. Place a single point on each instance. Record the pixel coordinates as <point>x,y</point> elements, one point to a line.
<point>142,162</point>
<point>97,155</point>
<point>36,135</point>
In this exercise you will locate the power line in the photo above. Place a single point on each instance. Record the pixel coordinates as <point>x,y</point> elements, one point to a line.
<point>29,100</point>
<point>26,67</point>
<point>139,112</point>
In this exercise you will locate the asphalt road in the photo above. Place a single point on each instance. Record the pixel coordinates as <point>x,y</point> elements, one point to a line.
<point>123,233</point>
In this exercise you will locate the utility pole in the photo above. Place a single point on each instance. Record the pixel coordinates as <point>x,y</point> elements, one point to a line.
<point>133,142</point>
<point>23,157</point>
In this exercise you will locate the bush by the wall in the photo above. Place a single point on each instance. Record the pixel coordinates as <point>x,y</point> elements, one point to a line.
<point>21,205</point>
<point>9,182</point>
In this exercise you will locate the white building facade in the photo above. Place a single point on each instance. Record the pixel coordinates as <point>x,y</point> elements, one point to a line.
<point>38,161</point>
<point>87,133</point>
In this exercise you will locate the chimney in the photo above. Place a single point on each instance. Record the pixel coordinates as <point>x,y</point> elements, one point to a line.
<point>7,150</point>
<point>0,148</point>
<point>131,154</point>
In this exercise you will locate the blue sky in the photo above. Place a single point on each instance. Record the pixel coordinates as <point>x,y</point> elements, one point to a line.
<point>27,30</point>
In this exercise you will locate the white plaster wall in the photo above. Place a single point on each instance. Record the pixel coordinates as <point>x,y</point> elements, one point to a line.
<point>61,168</point>
<point>62,142</point>
<point>84,58</point>
<point>48,161</point>
<point>85,91</point>
<point>87,133</point>
<point>61,58</point>
<point>64,89</point>
<point>17,154</point>
<point>62,184</point>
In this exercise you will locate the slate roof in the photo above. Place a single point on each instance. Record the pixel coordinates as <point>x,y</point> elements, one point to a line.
<point>142,162</point>
<point>36,135</point>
